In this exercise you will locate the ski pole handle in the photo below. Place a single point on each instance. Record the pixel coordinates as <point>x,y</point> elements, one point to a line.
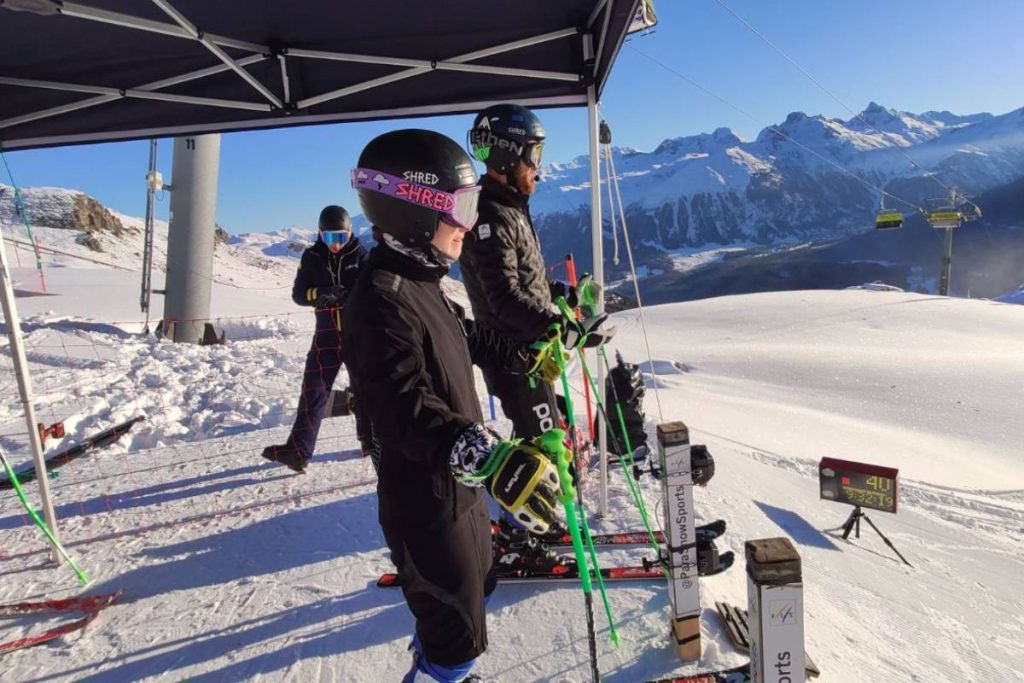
<point>552,443</point>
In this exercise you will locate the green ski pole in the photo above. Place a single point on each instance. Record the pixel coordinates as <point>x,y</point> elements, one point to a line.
<point>559,351</point>
<point>626,462</point>
<point>39,522</point>
<point>551,443</point>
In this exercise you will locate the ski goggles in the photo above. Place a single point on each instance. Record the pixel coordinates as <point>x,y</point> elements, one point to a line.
<point>480,143</point>
<point>458,207</point>
<point>335,237</point>
<point>533,153</point>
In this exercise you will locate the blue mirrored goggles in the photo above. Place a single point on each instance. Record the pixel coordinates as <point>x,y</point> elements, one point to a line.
<point>335,237</point>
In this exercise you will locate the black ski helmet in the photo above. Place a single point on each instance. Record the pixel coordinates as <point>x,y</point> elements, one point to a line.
<point>422,157</point>
<point>335,219</point>
<point>505,133</point>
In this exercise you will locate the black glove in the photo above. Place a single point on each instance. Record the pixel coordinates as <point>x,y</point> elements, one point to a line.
<point>542,361</point>
<point>330,297</point>
<point>558,288</point>
<point>517,474</point>
<point>586,331</point>
<point>585,292</point>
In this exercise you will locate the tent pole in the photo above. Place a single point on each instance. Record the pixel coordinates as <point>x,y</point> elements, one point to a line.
<point>25,392</point>
<point>596,235</point>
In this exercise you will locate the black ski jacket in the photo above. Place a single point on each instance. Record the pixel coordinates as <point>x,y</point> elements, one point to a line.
<point>409,352</point>
<point>319,270</point>
<point>503,268</point>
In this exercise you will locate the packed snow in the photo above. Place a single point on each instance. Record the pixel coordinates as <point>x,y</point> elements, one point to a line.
<point>235,569</point>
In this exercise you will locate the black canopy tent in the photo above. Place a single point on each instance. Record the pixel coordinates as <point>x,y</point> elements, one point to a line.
<point>122,69</point>
<point>108,70</point>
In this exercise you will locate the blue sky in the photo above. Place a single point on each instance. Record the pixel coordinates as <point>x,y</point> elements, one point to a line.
<point>913,55</point>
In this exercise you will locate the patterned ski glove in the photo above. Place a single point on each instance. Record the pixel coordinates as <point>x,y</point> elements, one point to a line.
<point>517,474</point>
<point>586,292</point>
<point>586,332</point>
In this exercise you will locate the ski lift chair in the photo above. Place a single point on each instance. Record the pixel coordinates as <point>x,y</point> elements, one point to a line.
<point>888,220</point>
<point>972,213</point>
<point>944,219</point>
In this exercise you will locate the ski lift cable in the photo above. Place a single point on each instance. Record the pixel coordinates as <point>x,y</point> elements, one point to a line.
<point>38,250</point>
<point>613,176</point>
<point>58,252</point>
<point>17,252</point>
<point>612,181</point>
<point>611,203</point>
<point>22,210</point>
<point>774,129</point>
<point>813,80</point>
<point>109,264</point>
<point>636,290</point>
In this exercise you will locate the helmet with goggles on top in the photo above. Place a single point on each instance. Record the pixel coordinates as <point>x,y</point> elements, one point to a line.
<point>335,225</point>
<point>504,134</point>
<point>408,180</point>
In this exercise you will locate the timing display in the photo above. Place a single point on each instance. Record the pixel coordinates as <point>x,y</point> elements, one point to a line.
<point>856,483</point>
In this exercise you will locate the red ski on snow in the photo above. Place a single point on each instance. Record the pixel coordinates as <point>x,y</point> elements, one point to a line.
<point>91,605</point>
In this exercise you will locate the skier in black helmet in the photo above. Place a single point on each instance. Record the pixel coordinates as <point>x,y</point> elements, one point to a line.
<point>509,290</point>
<point>327,271</point>
<point>410,352</point>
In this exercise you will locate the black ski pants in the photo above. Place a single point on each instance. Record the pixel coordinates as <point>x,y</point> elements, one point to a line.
<point>532,410</point>
<point>322,365</point>
<point>445,571</point>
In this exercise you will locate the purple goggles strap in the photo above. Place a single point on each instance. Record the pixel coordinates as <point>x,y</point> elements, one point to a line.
<point>415,193</point>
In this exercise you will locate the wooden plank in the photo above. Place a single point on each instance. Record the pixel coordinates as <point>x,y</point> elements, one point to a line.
<point>734,629</point>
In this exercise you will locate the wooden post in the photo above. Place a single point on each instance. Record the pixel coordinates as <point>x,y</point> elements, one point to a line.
<point>684,594</point>
<point>775,608</point>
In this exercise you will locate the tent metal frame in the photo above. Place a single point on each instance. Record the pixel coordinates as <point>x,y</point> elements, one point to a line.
<point>181,27</point>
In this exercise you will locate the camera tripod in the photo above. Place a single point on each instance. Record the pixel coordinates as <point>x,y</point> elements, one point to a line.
<point>853,523</point>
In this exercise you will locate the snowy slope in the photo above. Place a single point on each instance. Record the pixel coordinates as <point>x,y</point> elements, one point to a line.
<point>234,569</point>
<point>1014,297</point>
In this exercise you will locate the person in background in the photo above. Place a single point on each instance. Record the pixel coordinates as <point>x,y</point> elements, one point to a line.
<point>327,271</point>
<point>410,353</point>
<point>510,291</point>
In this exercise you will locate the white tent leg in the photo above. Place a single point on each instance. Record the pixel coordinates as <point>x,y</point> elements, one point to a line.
<point>25,391</point>
<point>595,230</point>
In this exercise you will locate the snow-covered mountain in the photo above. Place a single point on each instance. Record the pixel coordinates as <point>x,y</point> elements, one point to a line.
<point>712,214</point>
<point>807,178</point>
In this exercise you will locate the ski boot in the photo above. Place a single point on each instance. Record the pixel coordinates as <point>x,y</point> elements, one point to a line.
<point>518,553</point>
<point>425,672</point>
<point>287,456</point>
<point>553,536</point>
